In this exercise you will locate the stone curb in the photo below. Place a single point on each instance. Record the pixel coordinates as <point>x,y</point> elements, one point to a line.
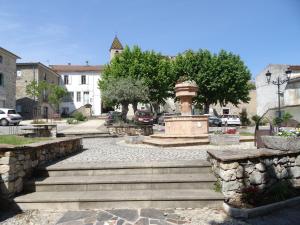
<point>261,210</point>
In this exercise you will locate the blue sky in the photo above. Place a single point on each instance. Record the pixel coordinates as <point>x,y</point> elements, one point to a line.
<point>62,31</point>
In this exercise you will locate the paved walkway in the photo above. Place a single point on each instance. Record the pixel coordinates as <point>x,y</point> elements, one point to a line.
<point>90,126</point>
<point>203,216</point>
<point>115,149</point>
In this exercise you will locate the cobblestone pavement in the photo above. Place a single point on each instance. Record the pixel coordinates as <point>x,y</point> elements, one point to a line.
<point>114,149</point>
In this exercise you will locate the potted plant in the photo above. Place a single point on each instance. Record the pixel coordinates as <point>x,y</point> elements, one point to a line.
<point>284,140</point>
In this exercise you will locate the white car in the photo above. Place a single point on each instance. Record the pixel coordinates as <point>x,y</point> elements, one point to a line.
<point>230,120</point>
<point>9,116</point>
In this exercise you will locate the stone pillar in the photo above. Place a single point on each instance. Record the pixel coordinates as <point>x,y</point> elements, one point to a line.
<point>186,105</point>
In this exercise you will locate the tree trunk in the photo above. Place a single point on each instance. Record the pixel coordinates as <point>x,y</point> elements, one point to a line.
<point>134,106</point>
<point>206,107</point>
<point>124,111</point>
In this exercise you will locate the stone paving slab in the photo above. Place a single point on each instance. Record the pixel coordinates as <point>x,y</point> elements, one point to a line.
<point>203,216</point>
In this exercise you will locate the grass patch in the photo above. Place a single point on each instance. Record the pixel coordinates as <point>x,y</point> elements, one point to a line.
<point>19,140</point>
<point>246,134</point>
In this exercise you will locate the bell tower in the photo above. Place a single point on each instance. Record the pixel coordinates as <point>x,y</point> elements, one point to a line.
<point>115,48</point>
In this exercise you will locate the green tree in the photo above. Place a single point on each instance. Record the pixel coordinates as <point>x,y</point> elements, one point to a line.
<point>153,68</point>
<point>35,89</point>
<point>222,78</point>
<point>244,118</point>
<point>123,91</point>
<point>56,95</point>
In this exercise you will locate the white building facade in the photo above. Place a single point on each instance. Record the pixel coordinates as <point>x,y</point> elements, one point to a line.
<point>81,83</point>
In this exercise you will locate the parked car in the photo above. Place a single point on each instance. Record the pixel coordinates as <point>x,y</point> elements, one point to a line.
<point>214,121</point>
<point>161,118</point>
<point>231,120</point>
<point>112,117</point>
<point>9,116</point>
<point>143,117</point>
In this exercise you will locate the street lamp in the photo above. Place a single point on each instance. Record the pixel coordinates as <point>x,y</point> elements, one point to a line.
<point>278,82</point>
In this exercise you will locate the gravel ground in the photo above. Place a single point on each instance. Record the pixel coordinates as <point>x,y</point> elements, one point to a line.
<point>115,149</point>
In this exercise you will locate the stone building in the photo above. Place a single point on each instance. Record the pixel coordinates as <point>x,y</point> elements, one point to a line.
<point>267,98</point>
<point>250,107</point>
<point>115,48</point>
<point>26,105</point>
<point>7,78</point>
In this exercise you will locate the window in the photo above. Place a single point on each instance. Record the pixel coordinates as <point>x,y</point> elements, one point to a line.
<point>225,111</point>
<point>69,97</point>
<point>45,76</point>
<point>78,96</point>
<point>66,79</point>
<point>1,112</point>
<point>83,79</point>
<point>86,97</point>
<point>1,59</point>
<point>1,80</point>
<point>19,73</point>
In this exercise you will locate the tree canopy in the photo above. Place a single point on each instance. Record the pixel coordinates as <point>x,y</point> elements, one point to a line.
<point>222,78</point>
<point>153,69</point>
<point>123,91</point>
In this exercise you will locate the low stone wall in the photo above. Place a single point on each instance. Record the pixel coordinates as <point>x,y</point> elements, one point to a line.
<point>18,162</point>
<point>145,130</point>
<point>261,168</point>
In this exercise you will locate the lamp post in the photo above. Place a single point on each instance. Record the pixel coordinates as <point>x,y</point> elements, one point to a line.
<point>278,82</point>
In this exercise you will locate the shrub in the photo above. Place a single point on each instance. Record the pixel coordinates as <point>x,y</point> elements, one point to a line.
<point>79,116</point>
<point>244,118</point>
<point>218,186</point>
<point>71,121</point>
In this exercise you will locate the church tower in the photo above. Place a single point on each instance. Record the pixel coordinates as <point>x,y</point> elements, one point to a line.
<point>115,48</point>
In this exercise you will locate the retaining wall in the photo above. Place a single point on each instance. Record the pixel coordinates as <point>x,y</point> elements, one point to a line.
<point>260,168</point>
<point>18,162</point>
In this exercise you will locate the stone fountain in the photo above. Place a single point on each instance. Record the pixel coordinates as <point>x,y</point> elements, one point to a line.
<point>186,129</point>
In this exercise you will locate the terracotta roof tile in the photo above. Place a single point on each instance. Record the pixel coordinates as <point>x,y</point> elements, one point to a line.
<point>77,68</point>
<point>294,67</point>
<point>116,44</point>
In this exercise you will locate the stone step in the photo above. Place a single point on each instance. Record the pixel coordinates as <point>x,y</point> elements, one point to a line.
<point>120,199</point>
<point>122,182</point>
<point>186,137</point>
<point>114,168</point>
<point>178,142</point>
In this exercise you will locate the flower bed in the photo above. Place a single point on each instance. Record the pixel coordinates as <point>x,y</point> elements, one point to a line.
<point>284,140</point>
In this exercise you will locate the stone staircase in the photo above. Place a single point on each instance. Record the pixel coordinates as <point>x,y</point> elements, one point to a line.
<point>163,140</point>
<point>183,184</point>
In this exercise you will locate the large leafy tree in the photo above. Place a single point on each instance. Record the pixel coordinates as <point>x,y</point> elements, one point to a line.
<point>123,91</point>
<point>56,95</point>
<point>222,78</point>
<point>150,67</point>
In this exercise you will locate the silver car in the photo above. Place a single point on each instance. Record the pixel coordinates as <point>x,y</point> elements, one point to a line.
<point>9,116</point>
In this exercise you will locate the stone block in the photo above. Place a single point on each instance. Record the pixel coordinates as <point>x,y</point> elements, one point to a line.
<point>297,160</point>
<point>21,157</point>
<point>229,166</point>
<point>239,172</point>
<point>249,168</point>
<point>260,167</point>
<point>7,160</point>
<point>227,175</point>
<point>4,168</point>
<point>283,160</point>
<point>8,177</point>
<point>295,172</point>
<point>21,173</point>
<point>18,186</point>
<point>231,186</point>
<point>258,178</point>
